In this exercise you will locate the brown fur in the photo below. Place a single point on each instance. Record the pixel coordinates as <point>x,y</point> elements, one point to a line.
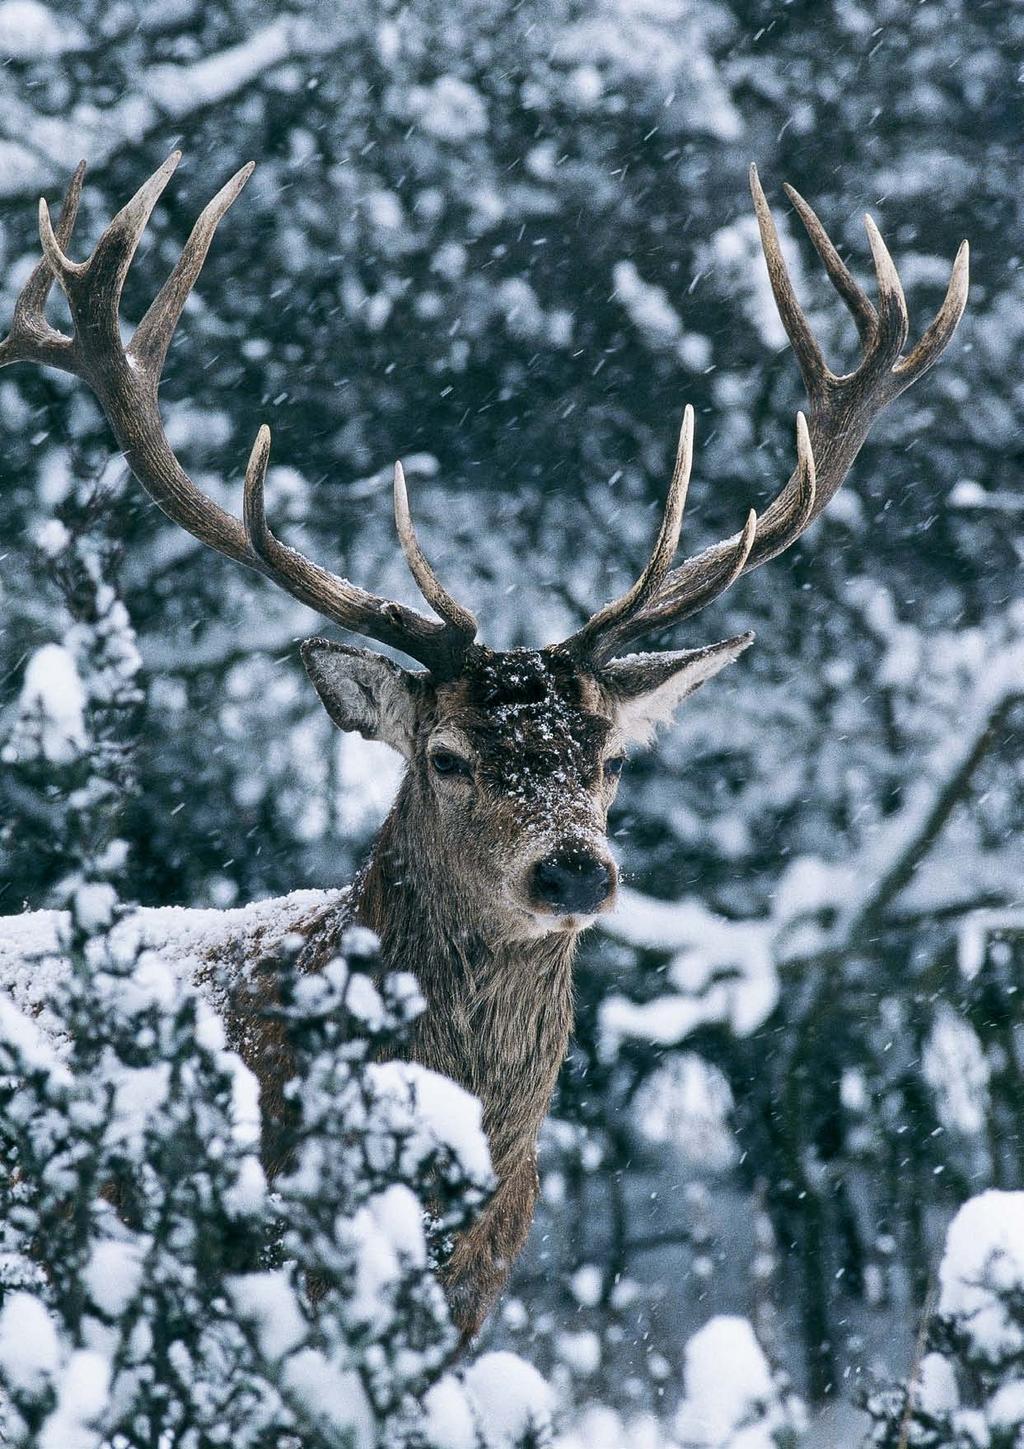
<point>499,1006</point>
<point>498,989</point>
<point>497,1021</point>
<point>450,890</point>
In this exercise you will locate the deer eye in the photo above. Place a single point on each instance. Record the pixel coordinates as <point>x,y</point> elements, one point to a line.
<point>613,766</point>
<point>446,762</point>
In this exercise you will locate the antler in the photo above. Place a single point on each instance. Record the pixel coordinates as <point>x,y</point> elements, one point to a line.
<point>125,381</point>
<point>842,409</point>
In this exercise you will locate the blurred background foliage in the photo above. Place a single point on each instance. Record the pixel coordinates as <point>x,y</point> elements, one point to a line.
<point>508,242</point>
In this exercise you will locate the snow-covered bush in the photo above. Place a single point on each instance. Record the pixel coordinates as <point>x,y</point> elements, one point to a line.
<point>508,242</point>
<point>153,1288</point>
<point>967,1392</point>
<point>732,1400</point>
<point>69,753</point>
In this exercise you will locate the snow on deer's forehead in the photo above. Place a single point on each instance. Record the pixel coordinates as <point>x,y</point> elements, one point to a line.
<point>527,714</point>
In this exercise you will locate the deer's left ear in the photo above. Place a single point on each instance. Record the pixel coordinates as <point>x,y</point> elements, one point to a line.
<point>646,688</point>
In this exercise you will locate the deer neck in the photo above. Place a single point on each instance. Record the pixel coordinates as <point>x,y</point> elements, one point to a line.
<point>498,1012</point>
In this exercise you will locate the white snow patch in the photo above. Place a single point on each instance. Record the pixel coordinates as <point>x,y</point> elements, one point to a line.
<point>985,1256</point>
<point>29,1347</point>
<point>30,31</point>
<point>113,1274</point>
<point>686,1103</point>
<point>977,930</point>
<point>181,89</point>
<point>600,1427</point>
<point>1006,1407</point>
<point>935,1391</point>
<point>21,170</point>
<point>139,1093</point>
<point>399,1215</point>
<point>658,44</point>
<point>81,1399</point>
<point>247,1196</point>
<point>656,320</point>
<point>51,709</point>
<point>267,1300</point>
<point>24,1036</point>
<point>450,109</point>
<point>510,1398</point>
<point>448,1416</point>
<point>386,1234</point>
<point>724,973</point>
<point>581,1351</point>
<point>451,1115</point>
<point>185,943</point>
<point>957,1070</point>
<point>95,903</point>
<point>334,1393</point>
<point>728,1387</point>
<point>586,1284</point>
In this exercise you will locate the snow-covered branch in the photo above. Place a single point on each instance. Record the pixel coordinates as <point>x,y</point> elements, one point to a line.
<point>888,863</point>
<point>40,151</point>
<point>725,971</point>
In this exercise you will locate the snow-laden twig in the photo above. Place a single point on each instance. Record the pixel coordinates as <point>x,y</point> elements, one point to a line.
<point>889,862</point>
<point>727,971</point>
<point>978,929</point>
<point>40,150</point>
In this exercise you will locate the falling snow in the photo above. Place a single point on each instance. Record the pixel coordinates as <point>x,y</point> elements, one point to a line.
<point>508,244</point>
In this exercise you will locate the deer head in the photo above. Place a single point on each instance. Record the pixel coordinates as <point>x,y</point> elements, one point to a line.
<point>513,757</point>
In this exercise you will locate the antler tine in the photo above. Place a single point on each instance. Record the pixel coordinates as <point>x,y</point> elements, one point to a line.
<point>598,637</point>
<point>254,513</point>
<point>53,253</point>
<point>691,587</point>
<point>717,569</point>
<point>336,598</point>
<point>857,300</point>
<point>116,248</point>
<point>430,586</point>
<point>93,287</point>
<point>893,322</point>
<point>32,338</point>
<point>154,333</point>
<point>939,331</point>
<point>37,289</point>
<point>126,381</point>
<point>841,413</point>
<point>812,365</point>
<point>784,522</point>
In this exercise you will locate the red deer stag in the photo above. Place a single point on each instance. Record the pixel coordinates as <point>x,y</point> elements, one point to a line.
<point>495,856</point>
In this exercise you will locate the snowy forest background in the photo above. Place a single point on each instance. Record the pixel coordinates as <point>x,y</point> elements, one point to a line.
<point>507,243</point>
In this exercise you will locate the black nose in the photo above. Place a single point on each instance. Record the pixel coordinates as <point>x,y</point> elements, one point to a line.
<point>573,880</point>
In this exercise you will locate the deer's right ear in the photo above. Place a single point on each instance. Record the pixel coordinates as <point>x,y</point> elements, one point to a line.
<point>365,692</point>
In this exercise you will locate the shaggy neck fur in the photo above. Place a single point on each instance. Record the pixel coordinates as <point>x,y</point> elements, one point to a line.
<point>498,1013</point>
